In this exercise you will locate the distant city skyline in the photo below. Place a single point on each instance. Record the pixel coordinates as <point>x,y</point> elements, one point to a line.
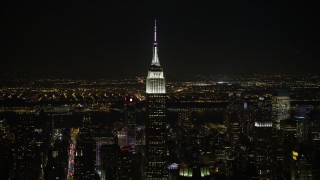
<point>74,39</point>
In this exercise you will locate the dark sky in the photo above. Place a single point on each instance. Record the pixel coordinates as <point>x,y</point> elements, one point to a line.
<point>115,37</point>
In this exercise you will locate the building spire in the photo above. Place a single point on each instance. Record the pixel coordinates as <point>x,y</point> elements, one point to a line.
<point>155,31</point>
<point>155,58</point>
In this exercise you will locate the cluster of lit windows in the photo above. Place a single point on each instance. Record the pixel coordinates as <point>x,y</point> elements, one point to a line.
<point>263,124</point>
<point>155,86</point>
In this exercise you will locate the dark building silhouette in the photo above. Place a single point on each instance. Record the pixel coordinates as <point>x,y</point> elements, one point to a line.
<point>130,115</point>
<point>84,158</point>
<point>263,140</point>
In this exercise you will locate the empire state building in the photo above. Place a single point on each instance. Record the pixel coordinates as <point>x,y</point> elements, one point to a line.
<point>156,149</point>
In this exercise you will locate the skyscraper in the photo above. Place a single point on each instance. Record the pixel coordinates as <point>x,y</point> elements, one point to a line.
<point>130,115</point>
<point>155,164</point>
<point>262,139</point>
<point>280,112</point>
<point>280,107</point>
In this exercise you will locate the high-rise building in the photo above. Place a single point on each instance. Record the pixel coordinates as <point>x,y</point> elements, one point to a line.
<point>263,140</point>
<point>122,137</point>
<point>126,165</point>
<point>84,157</point>
<point>280,112</point>
<point>109,160</point>
<point>184,122</point>
<point>156,125</point>
<point>233,120</point>
<point>102,137</point>
<point>130,115</point>
<point>280,107</point>
<point>24,150</point>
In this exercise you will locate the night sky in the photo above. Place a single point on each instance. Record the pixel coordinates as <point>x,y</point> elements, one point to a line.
<point>115,37</point>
